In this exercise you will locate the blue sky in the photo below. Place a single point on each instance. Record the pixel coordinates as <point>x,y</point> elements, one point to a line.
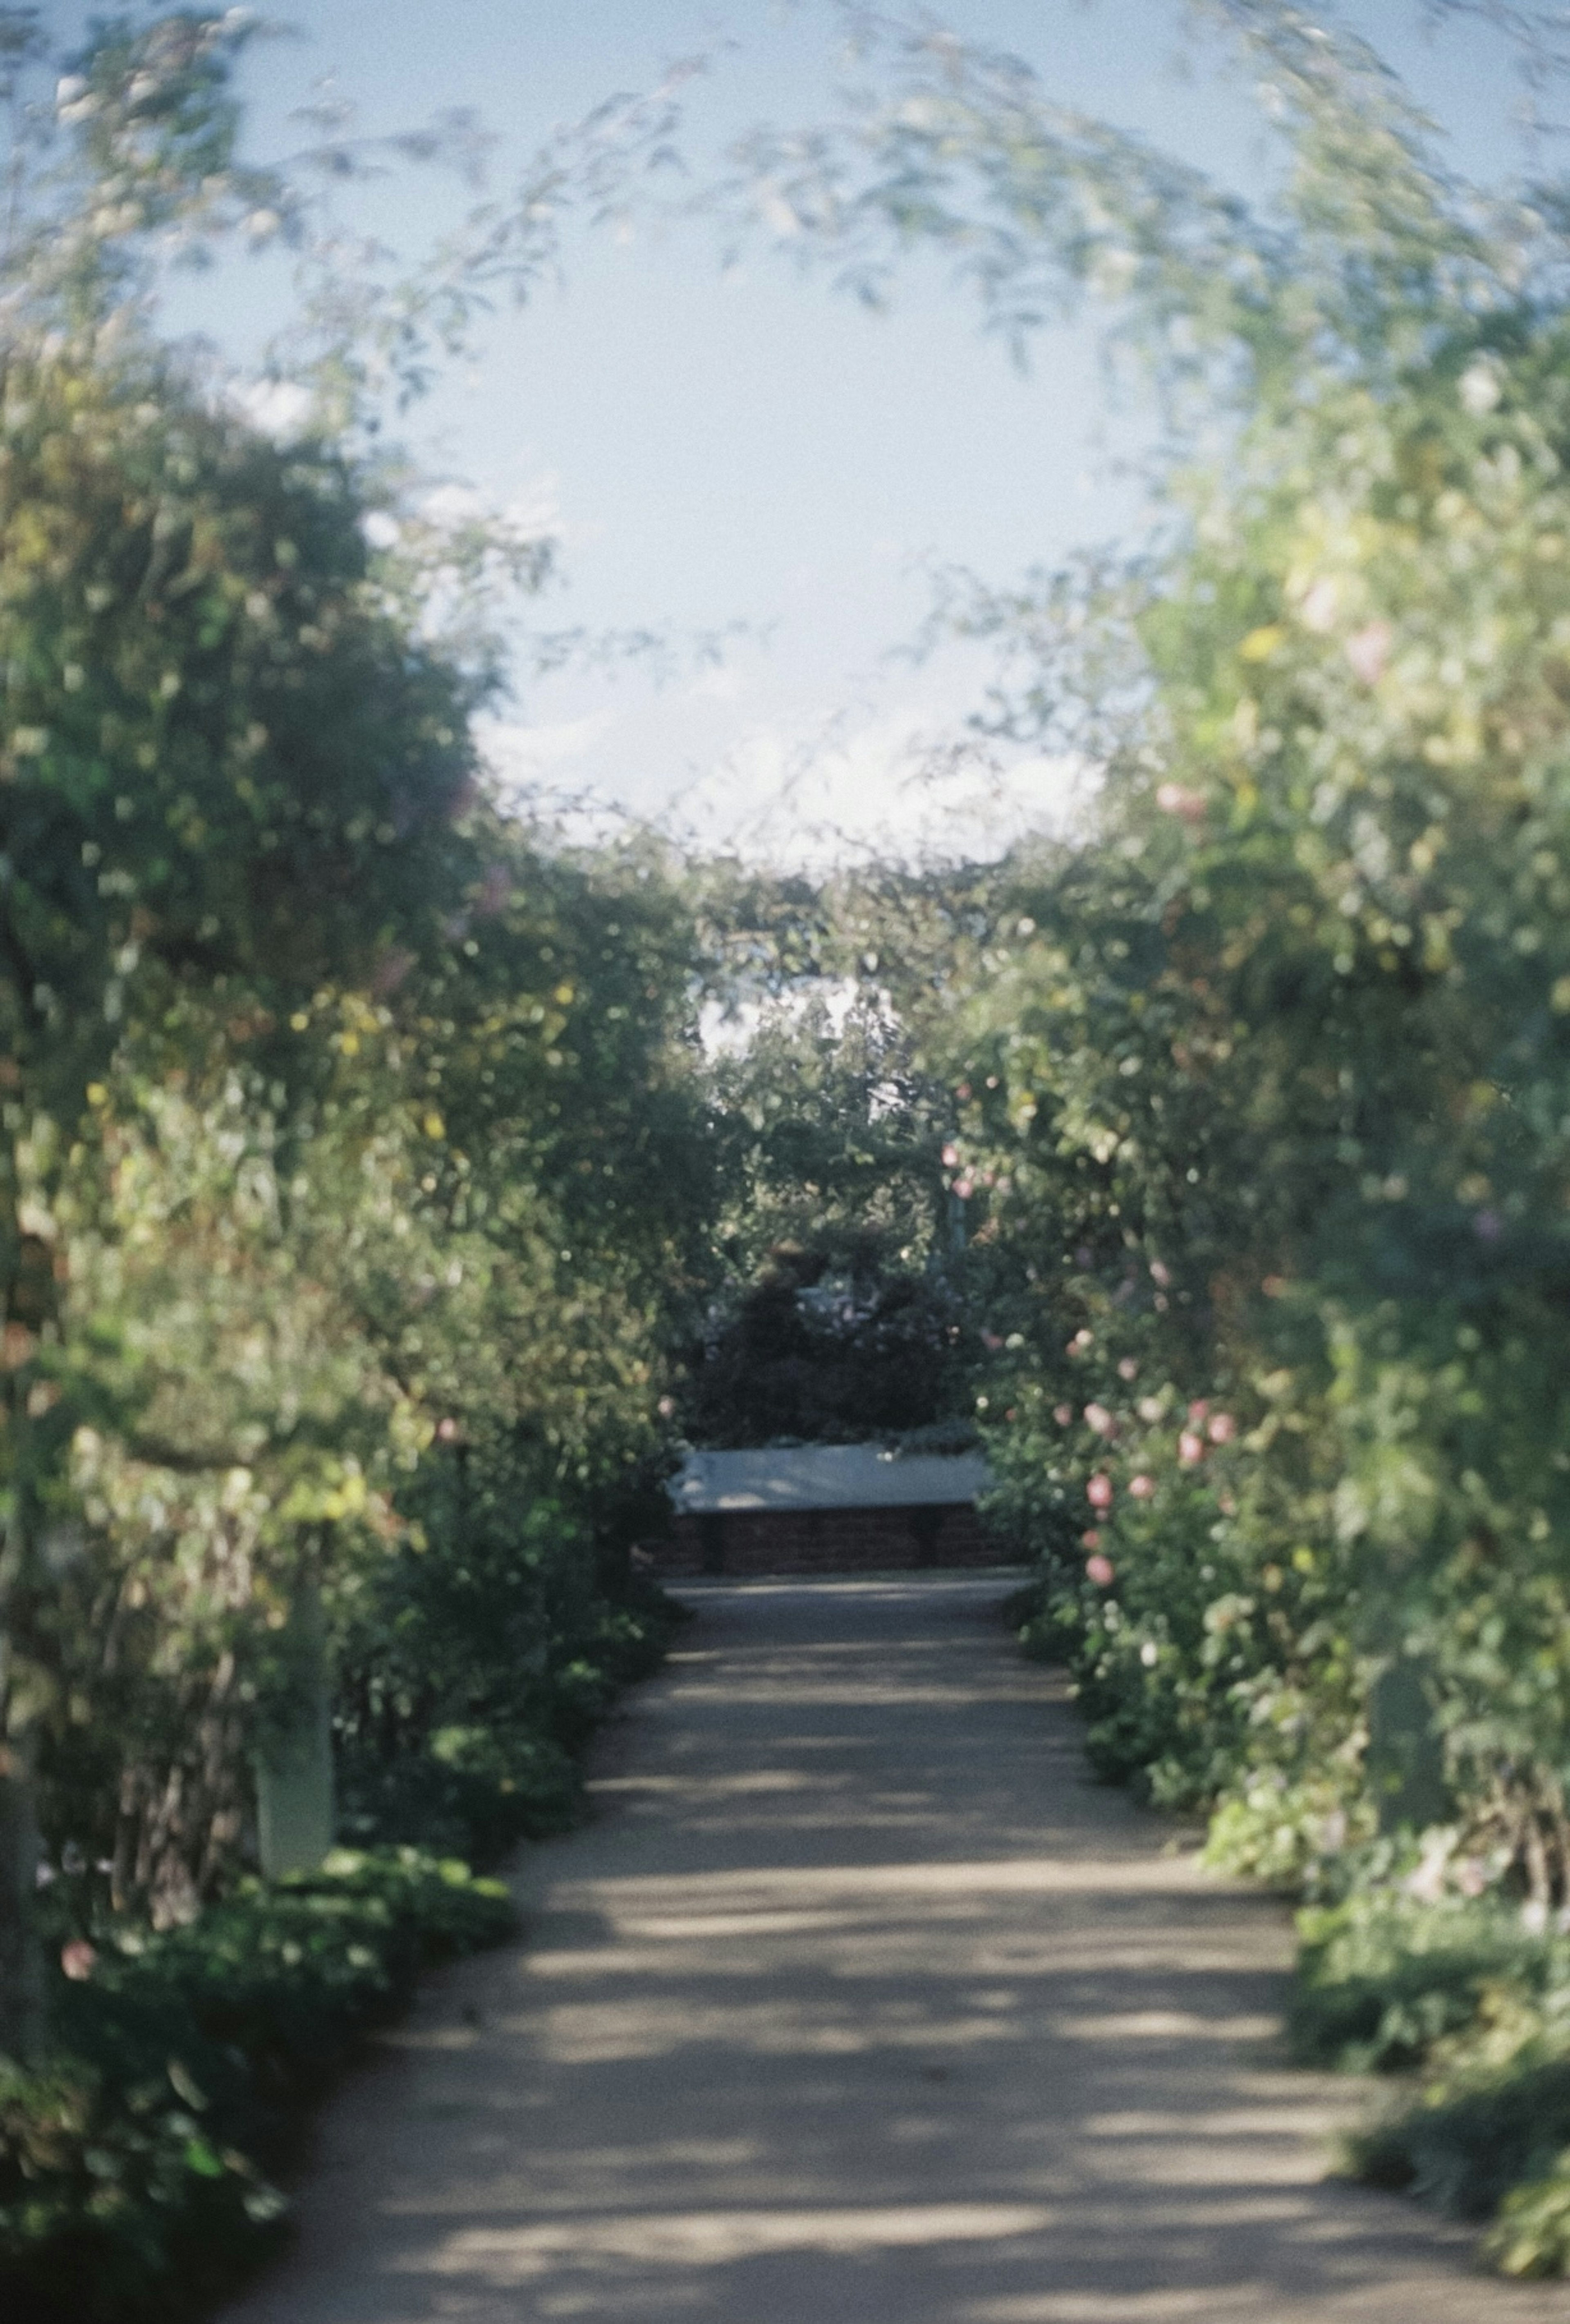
<point>751,448</point>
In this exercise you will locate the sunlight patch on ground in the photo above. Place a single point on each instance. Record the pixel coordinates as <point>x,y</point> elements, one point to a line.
<point>719,2238</point>
<point>1125,2307</point>
<point>1030,1876</point>
<point>1163,2025</point>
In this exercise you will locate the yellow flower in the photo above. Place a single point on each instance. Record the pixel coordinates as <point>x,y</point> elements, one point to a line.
<point>1261,643</point>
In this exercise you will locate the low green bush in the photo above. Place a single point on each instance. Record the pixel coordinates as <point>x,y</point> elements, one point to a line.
<point>473,1790</point>
<point>1462,1993</point>
<point>1384,1979</point>
<point>1474,2137</point>
<point>134,2169</point>
<point>1532,2235</point>
<point>487,1755</point>
<point>137,2168</point>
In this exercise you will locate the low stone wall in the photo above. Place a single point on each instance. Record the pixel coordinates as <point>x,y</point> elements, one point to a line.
<point>825,1541</point>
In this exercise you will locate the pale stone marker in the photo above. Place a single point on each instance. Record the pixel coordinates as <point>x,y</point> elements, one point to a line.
<point>295,1806</point>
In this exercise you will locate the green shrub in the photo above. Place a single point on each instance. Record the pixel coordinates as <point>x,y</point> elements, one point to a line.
<point>474,1790</point>
<point>1383,1979</point>
<point>462,1708</point>
<point>118,2201</point>
<point>133,2169</point>
<point>1461,1990</point>
<point>1532,2236</point>
<point>1469,2142</point>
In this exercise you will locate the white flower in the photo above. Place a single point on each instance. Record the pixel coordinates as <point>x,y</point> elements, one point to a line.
<point>1479,390</point>
<point>1319,604</point>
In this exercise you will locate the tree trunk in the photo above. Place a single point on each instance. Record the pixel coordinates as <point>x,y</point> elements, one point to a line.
<point>22,2027</point>
<point>183,1799</point>
<point>22,2001</point>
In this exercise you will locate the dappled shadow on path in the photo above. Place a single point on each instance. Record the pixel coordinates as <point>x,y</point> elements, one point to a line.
<point>859,2000</point>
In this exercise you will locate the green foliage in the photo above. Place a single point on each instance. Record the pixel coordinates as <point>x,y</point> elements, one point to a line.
<point>812,1351</point>
<point>131,2168</point>
<point>1382,1978</point>
<point>1477,2002</point>
<point>838,1312</point>
<point>112,2211</point>
<point>1532,2236</point>
<point>1262,1093</point>
<point>465,1689</point>
<point>475,1790</point>
<point>364,1195</point>
<point>354,1169</point>
<point>1473,2139</point>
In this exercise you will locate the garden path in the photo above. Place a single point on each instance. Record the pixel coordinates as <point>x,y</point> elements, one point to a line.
<point>859,2003</point>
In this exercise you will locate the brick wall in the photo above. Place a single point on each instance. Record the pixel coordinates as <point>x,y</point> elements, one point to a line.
<point>825,1541</point>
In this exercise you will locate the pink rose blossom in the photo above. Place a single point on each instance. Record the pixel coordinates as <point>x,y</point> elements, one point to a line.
<point>79,1960</point>
<point>389,972</point>
<point>496,892</point>
<point>1099,1492</point>
<point>951,1158</point>
<point>1100,1569</point>
<point>1140,1488</point>
<point>1223,1429</point>
<point>1369,651</point>
<point>1190,1448</point>
<point>1128,1369</point>
<point>964,1188</point>
<point>1090,1537</point>
<point>1173,798</point>
<point>1063,1414</point>
<point>1160,1274</point>
<point>1098,1417</point>
<point>1197,1409</point>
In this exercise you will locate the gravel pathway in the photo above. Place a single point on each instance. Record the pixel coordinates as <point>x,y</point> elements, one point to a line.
<point>859,2004</point>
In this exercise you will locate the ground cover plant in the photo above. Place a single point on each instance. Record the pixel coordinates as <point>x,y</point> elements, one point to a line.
<point>132,2167</point>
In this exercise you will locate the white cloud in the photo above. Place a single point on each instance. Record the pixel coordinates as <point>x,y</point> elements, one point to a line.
<point>535,510</point>
<point>890,784</point>
<point>280,408</point>
<point>896,773</point>
<point>731,1031</point>
<point>519,754</point>
<point>452,505</point>
<point>724,684</point>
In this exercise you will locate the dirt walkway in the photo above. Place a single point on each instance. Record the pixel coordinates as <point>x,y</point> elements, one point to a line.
<point>858,2004</point>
